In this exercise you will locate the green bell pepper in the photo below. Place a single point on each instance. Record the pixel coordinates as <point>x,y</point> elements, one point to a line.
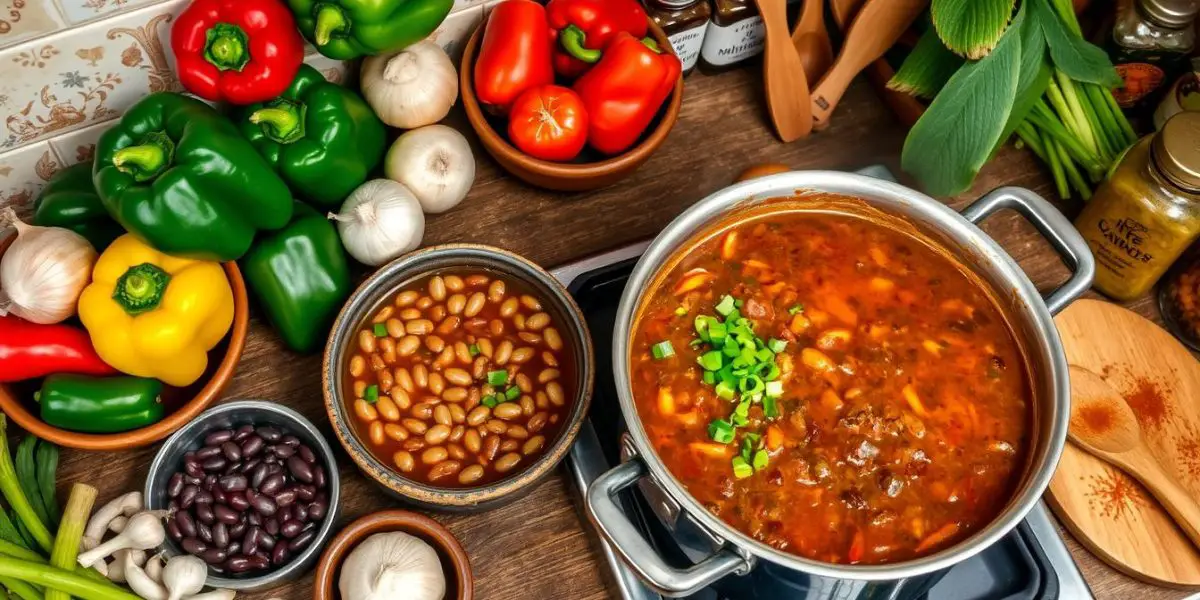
<point>348,29</point>
<point>100,404</point>
<point>69,201</point>
<point>177,174</point>
<point>300,277</point>
<point>321,137</point>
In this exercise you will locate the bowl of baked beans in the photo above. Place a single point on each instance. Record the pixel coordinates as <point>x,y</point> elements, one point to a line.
<point>458,376</point>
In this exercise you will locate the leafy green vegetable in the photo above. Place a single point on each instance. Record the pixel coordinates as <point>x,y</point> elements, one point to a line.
<point>1034,77</point>
<point>971,28</point>
<point>1071,54</point>
<point>27,476</point>
<point>952,140</point>
<point>927,69</point>
<point>8,530</point>
<point>47,474</point>
<point>11,489</point>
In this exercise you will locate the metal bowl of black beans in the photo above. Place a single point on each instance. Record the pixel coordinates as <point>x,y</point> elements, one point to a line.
<point>253,489</point>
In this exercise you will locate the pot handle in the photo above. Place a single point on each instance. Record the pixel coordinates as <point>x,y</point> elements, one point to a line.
<point>1057,230</point>
<point>611,522</point>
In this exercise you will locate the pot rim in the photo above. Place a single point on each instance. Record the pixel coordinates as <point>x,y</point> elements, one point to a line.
<point>1028,303</point>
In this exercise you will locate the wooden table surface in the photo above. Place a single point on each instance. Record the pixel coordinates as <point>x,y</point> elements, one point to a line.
<point>540,547</point>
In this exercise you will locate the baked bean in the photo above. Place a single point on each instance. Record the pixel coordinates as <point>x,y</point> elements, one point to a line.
<point>503,352</point>
<point>387,350</point>
<point>542,401</point>
<point>473,398</point>
<point>519,321</point>
<point>536,422</point>
<point>456,452</point>
<point>360,388</point>
<point>445,359</point>
<point>456,303</point>
<point>408,345</point>
<point>526,405</point>
<point>413,444</point>
<point>523,383</point>
<point>530,338</point>
<point>436,383</point>
<point>533,444</point>
<point>385,380</point>
<point>437,288</point>
<point>404,461</point>
<point>521,355</point>
<point>404,380</point>
<point>496,291</point>
<point>357,365</point>
<point>434,455</point>
<point>470,474</point>
<point>416,426</point>
<point>418,326</point>
<point>409,314</point>
<point>479,415</point>
<point>496,327</point>
<point>472,440</point>
<point>384,314</point>
<point>406,298</point>
<point>456,434</point>
<point>455,394</point>
<point>507,411</point>
<point>476,280</point>
<point>549,359</point>
<point>401,398</point>
<point>517,432</point>
<point>548,375</point>
<point>485,347</point>
<point>424,302</point>
<point>366,341</point>
<point>507,462</point>
<point>395,432</point>
<point>435,343</point>
<point>441,414</point>
<point>555,391</point>
<point>387,409</point>
<point>457,376</point>
<point>420,375</point>
<point>376,362</point>
<point>496,426</point>
<point>437,313</point>
<point>437,434</point>
<point>553,339</point>
<point>449,324</point>
<point>365,411</point>
<point>553,419</point>
<point>537,321</point>
<point>462,352</point>
<point>479,367</point>
<point>509,307</point>
<point>509,445</point>
<point>474,304</point>
<point>530,302</point>
<point>454,283</point>
<point>444,469</point>
<point>422,410</point>
<point>490,447</point>
<point>376,431</point>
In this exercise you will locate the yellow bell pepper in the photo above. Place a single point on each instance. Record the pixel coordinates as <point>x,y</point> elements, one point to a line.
<point>154,315</point>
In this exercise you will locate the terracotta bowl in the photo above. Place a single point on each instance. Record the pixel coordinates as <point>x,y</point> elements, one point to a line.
<point>559,176</point>
<point>16,399</point>
<point>460,584</point>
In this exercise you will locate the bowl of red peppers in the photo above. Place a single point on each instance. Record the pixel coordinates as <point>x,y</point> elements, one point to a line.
<point>573,95</point>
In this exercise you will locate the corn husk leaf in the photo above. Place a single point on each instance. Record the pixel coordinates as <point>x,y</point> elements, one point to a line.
<point>971,28</point>
<point>927,68</point>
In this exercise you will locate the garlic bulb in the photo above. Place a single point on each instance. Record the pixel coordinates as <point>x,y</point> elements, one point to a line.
<point>380,221</point>
<point>435,163</point>
<point>184,575</point>
<point>393,565</point>
<point>411,88</point>
<point>43,272</point>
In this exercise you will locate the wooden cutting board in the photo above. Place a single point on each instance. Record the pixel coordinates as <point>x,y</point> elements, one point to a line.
<point>1110,513</point>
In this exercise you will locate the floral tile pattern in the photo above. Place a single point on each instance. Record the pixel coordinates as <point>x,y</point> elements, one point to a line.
<point>84,75</point>
<point>23,173</point>
<point>24,19</point>
<point>454,32</point>
<point>80,145</point>
<point>79,11</point>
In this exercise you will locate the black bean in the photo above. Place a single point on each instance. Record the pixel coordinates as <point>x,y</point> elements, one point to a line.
<point>283,450</point>
<point>285,497</point>
<point>275,467</point>
<point>272,484</point>
<point>265,540</point>
<point>233,483</point>
<point>249,466</point>
<point>291,440</point>
<point>173,530</point>
<point>213,556</point>
<point>238,529</point>
<point>205,532</point>
<point>252,445</point>
<point>203,497</point>
<point>219,497</point>
<point>173,505</point>
<point>220,534</point>
<point>300,469</point>
<point>250,545</point>
<point>207,452</point>
<point>307,454</point>
<point>231,468</point>
<point>231,451</point>
<point>280,555</point>
<point>204,512</point>
<point>175,485</point>
<point>263,505</point>
<point>242,432</point>
<point>196,481</point>
<point>217,437</point>
<point>291,528</point>
<point>306,492</point>
<point>234,548</point>
<point>187,525</point>
<point>187,496</point>
<point>316,510</point>
<point>215,463</point>
<point>226,515</point>
<point>238,564</point>
<point>319,477</point>
<point>269,433</point>
<point>271,459</point>
<point>237,501</point>
<point>253,518</point>
<point>259,562</point>
<point>302,541</point>
<point>210,481</point>
<point>272,526</point>
<point>192,545</point>
<point>192,467</point>
<point>258,475</point>
<point>300,512</point>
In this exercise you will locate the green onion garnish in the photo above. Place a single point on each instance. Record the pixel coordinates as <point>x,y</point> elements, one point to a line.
<point>741,470</point>
<point>761,458</point>
<point>776,346</point>
<point>709,377</point>
<point>721,431</point>
<point>681,311</point>
<point>372,394</point>
<point>473,350</point>
<point>725,390</point>
<point>497,377</point>
<point>773,389</point>
<point>489,401</point>
<point>380,330</point>
<point>770,406</point>
<point>710,361</point>
<point>795,309</point>
<point>725,306</point>
<point>512,393</point>
<point>662,350</point>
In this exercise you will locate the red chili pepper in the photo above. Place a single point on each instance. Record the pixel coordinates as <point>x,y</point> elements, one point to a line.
<point>584,28</point>
<point>29,350</point>
<point>515,53</point>
<point>624,91</point>
<point>238,51</point>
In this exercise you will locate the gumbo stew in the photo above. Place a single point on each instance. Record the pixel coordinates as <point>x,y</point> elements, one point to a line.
<point>832,387</point>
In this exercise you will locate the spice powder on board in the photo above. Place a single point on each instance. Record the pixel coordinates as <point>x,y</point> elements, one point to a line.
<point>1096,418</point>
<point>1148,403</point>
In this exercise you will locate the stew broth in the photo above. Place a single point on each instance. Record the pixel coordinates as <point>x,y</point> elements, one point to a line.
<point>887,406</point>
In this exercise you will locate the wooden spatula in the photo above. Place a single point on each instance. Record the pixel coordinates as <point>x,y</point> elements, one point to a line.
<point>812,40</point>
<point>1103,424</point>
<point>787,89</point>
<point>877,26</point>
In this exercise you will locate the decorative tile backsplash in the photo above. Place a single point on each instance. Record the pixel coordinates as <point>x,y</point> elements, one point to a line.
<point>68,68</point>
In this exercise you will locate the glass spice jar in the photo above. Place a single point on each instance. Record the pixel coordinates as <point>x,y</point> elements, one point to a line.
<point>684,22</point>
<point>1179,301</point>
<point>1150,43</point>
<point>734,34</point>
<point>1147,212</point>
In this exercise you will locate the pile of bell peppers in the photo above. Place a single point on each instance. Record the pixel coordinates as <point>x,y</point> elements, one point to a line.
<point>618,78</point>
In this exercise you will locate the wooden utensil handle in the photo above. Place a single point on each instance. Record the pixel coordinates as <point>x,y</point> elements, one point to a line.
<point>1178,501</point>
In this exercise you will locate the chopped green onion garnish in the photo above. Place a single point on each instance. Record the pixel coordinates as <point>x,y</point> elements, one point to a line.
<point>473,350</point>
<point>380,330</point>
<point>725,390</point>
<point>721,431</point>
<point>776,346</point>
<point>716,333</point>
<point>662,350</point>
<point>749,443</point>
<point>726,305</point>
<point>512,393</point>
<point>489,401</point>
<point>710,361</point>
<point>795,309</point>
<point>497,377</point>
<point>770,407</point>
<point>681,311</point>
<point>741,470</point>
<point>774,389</point>
<point>751,385</point>
<point>761,458</point>
<point>709,377</point>
<point>372,394</point>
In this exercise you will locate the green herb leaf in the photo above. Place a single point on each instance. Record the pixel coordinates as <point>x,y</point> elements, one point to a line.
<point>1035,72</point>
<point>926,69</point>
<point>952,140</point>
<point>1073,55</point>
<point>971,28</point>
<point>741,469</point>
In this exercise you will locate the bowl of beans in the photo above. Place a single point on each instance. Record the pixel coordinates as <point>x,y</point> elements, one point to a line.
<point>253,491</point>
<point>457,376</point>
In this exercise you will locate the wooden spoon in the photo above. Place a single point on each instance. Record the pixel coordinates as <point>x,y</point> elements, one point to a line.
<point>878,25</point>
<point>844,11</point>
<point>1103,424</point>
<point>812,40</point>
<point>787,89</point>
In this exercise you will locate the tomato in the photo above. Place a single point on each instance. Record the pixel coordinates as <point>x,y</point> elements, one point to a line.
<point>548,122</point>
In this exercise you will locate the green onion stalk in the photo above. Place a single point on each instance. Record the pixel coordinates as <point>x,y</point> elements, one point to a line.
<point>1076,128</point>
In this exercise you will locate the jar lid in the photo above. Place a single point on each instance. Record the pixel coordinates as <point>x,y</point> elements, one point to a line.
<point>1175,14</point>
<point>1176,150</point>
<point>674,4</point>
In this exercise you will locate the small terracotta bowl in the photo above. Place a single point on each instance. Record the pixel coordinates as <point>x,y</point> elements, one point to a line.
<point>16,399</point>
<point>460,584</point>
<point>563,177</point>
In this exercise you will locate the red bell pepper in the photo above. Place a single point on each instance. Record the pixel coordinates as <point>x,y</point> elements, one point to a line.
<point>584,28</point>
<point>29,350</point>
<point>514,55</point>
<point>624,91</point>
<point>237,51</point>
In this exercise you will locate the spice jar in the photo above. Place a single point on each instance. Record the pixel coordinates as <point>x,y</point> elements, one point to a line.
<point>1150,43</point>
<point>735,33</point>
<point>1148,211</point>
<point>684,22</point>
<point>1179,301</point>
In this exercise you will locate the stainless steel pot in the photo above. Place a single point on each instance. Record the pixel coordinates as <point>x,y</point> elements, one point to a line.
<point>1029,313</point>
